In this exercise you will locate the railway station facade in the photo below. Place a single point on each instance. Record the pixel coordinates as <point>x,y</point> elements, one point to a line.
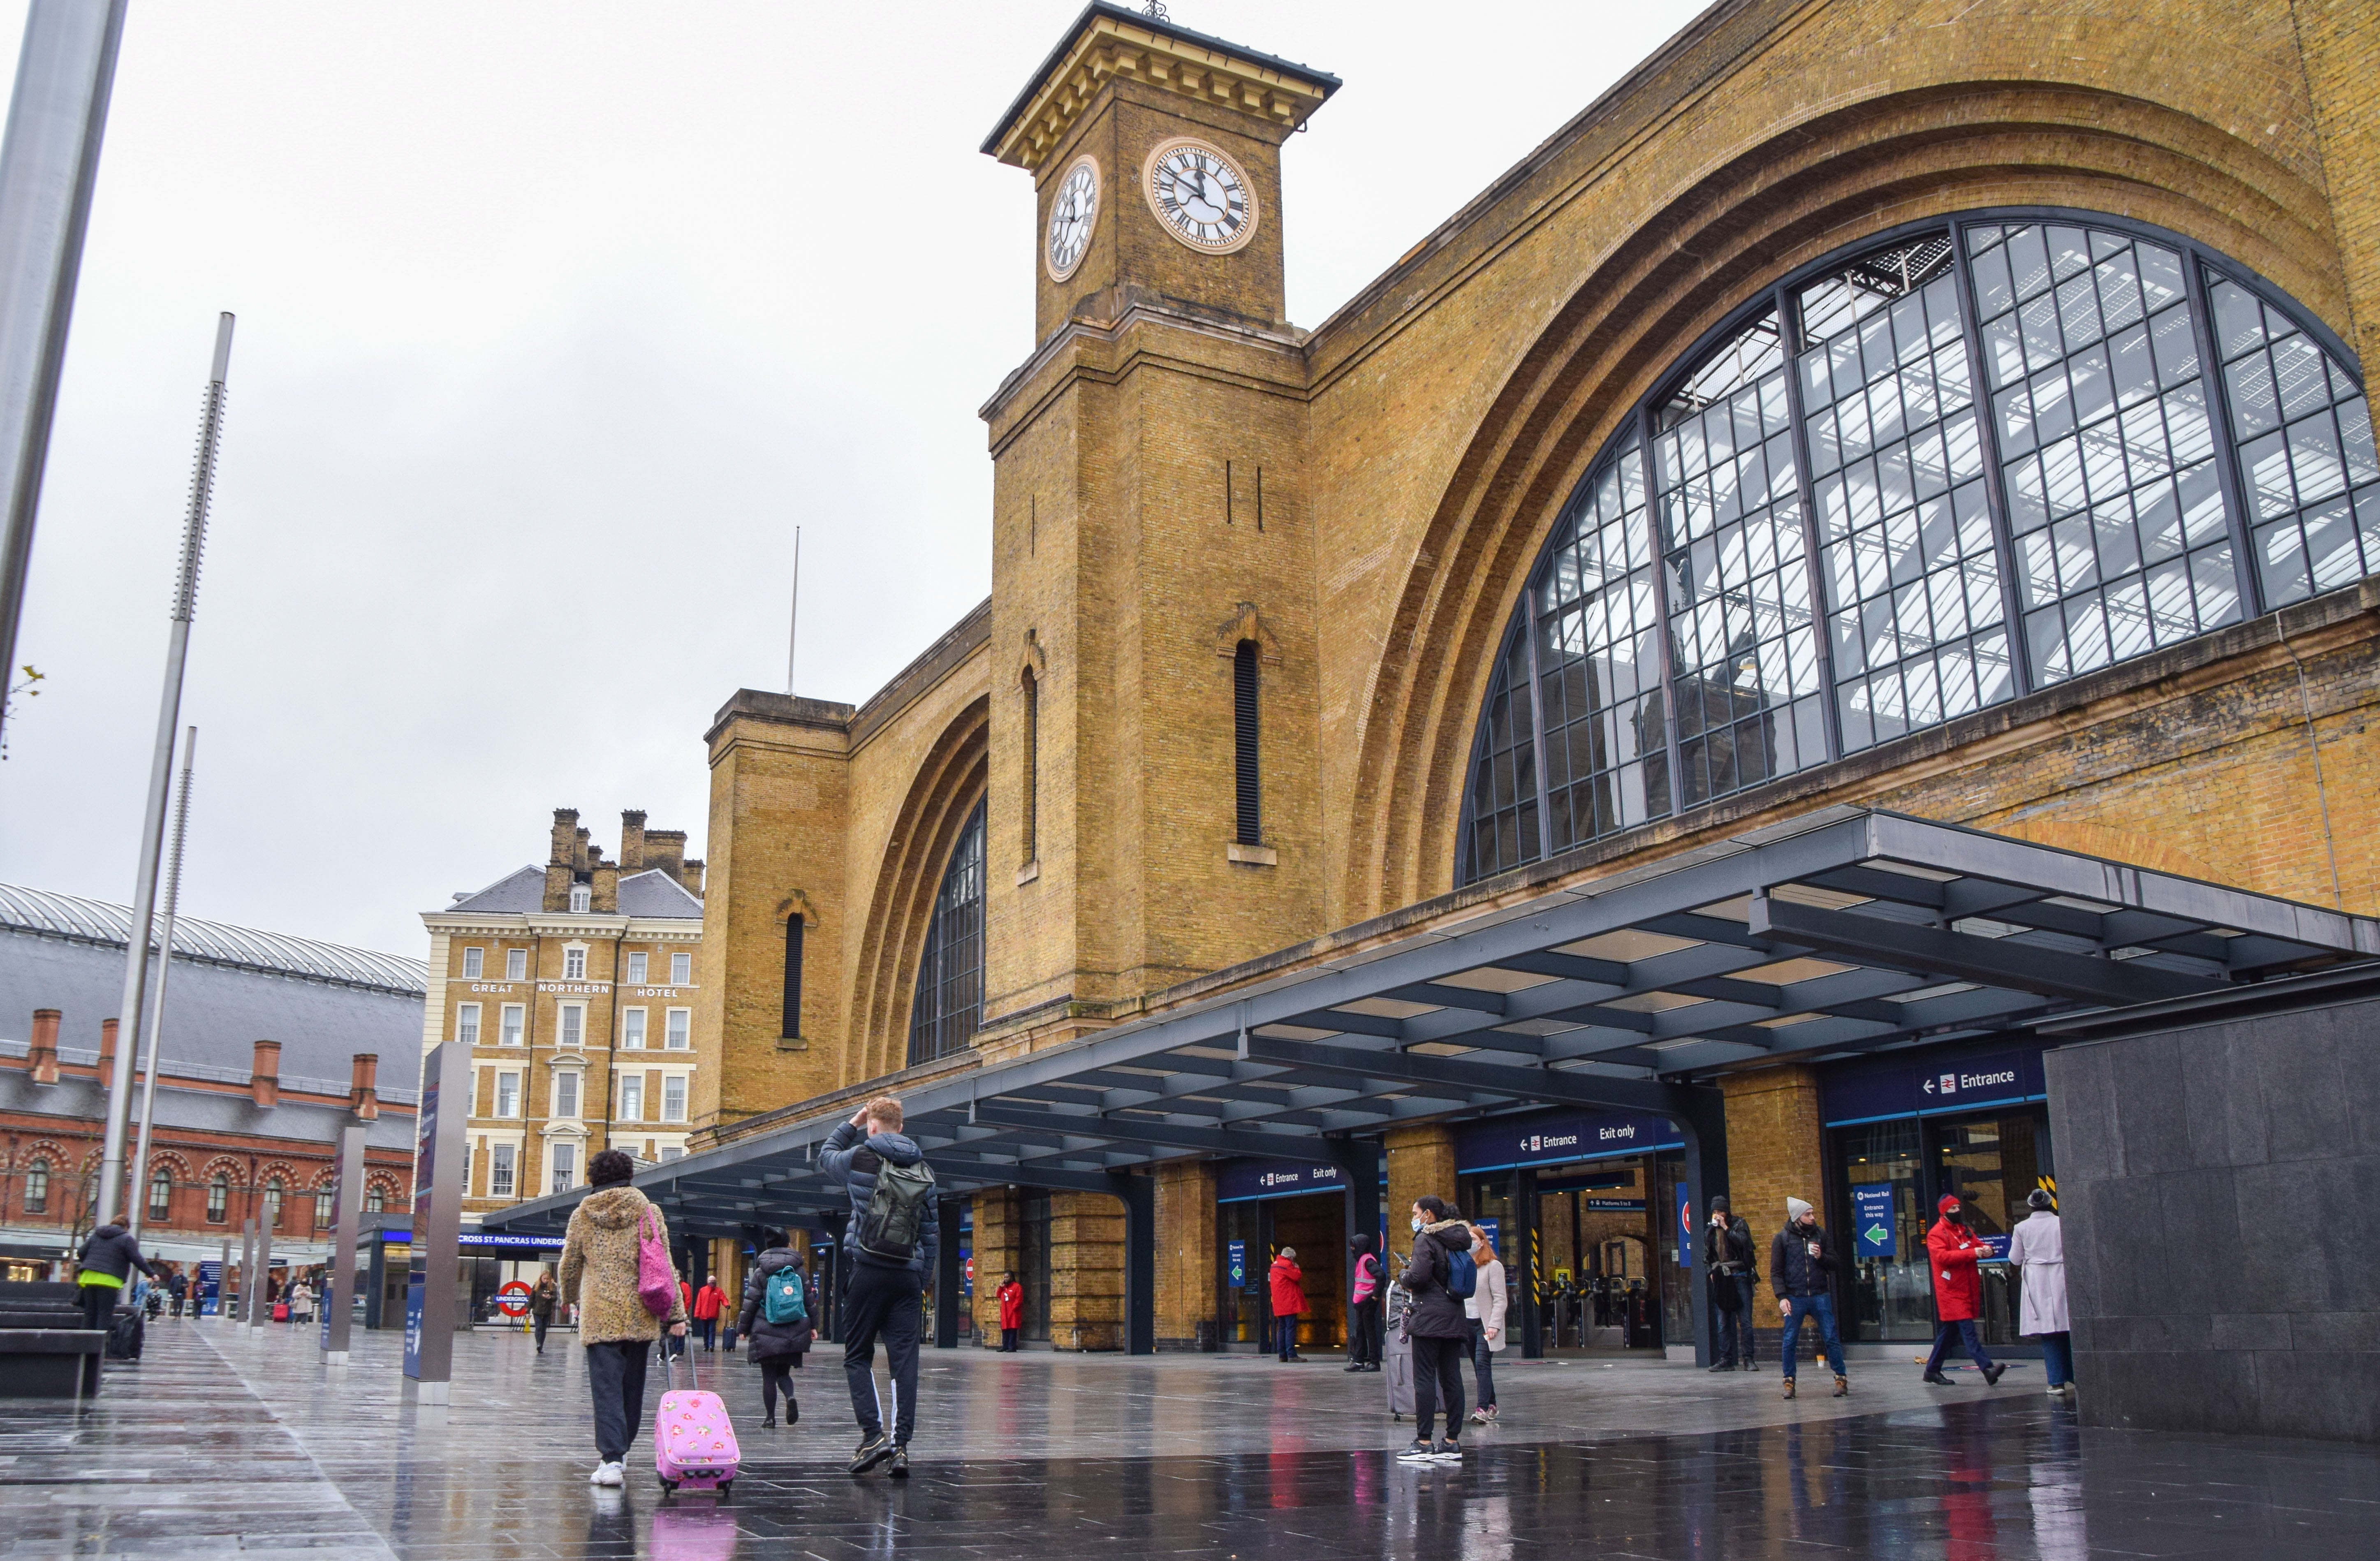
<point>1862,544</point>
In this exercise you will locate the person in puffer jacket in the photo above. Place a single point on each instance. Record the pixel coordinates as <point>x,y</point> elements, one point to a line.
<point>1441,1333</point>
<point>880,1295</point>
<point>109,1256</point>
<point>777,1347</point>
<point>598,1277</point>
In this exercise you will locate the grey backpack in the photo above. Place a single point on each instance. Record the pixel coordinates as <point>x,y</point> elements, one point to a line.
<point>897,1210</point>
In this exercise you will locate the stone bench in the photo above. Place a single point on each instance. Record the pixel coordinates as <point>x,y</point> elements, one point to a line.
<point>45,1352</point>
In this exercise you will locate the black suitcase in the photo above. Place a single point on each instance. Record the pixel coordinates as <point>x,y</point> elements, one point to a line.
<point>126,1334</point>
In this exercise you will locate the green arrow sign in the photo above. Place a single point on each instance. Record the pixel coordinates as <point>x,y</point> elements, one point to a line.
<point>1877,1236</point>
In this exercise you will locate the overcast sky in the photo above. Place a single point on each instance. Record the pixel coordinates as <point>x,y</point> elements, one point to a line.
<point>554,321</point>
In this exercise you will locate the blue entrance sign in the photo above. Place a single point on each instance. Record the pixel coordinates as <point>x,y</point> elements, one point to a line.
<point>1871,1225</point>
<point>1235,1265</point>
<point>413,1325</point>
<point>1237,1181</point>
<point>1878,1088</point>
<point>210,1296</point>
<point>1501,1143</point>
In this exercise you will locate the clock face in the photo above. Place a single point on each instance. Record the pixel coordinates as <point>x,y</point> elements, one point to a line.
<point>1201,196</point>
<point>1072,214</point>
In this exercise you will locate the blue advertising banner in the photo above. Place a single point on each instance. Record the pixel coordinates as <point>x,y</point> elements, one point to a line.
<point>1871,1225</point>
<point>210,1296</point>
<point>413,1325</point>
<point>485,1238</point>
<point>330,1294</point>
<point>1235,1265</point>
<point>1495,1233</point>
<point>1554,1138</point>
<point>1685,1227</point>
<point>1237,1181</point>
<point>1876,1088</point>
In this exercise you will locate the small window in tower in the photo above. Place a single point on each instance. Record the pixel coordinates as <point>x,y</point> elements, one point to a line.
<point>1243,745</point>
<point>581,897</point>
<point>681,970</point>
<point>517,964</point>
<point>474,961</point>
<point>792,1027</point>
<point>637,968</point>
<point>1029,785</point>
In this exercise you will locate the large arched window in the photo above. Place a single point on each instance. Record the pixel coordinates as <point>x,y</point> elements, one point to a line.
<point>1926,475</point>
<point>950,975</point>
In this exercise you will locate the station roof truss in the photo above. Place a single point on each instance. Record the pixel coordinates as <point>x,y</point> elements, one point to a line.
<point>1845,932</point>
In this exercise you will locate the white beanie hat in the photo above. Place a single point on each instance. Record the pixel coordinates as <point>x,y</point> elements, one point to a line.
<point>1794,1209</point>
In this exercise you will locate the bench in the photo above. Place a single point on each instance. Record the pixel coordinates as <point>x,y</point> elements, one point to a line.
<point>45,1352</point>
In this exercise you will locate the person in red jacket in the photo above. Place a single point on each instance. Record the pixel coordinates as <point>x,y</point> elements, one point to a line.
<point>1288,1301</point>
<point>705,1309</point>
<point>1952,1252</point>
<point>1012,1312</point>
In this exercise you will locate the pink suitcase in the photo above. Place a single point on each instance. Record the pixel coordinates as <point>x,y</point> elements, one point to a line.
<point>694,1445</point>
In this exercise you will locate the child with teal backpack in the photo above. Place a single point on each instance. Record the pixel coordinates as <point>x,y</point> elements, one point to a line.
<point>778,1320</point>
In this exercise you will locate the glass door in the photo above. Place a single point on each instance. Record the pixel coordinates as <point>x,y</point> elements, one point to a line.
<point>1883,1229</point>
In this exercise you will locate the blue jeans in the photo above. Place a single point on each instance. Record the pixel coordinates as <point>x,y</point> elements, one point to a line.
<point>1483,1364</point>
<point>1831,1347</point>
<point>1958,1329</point>
<point>1731,1331</point>
<point>1285,1335</point>
<point>2057,1358</point>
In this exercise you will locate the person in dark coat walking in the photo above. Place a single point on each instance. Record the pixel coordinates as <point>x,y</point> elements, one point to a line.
<point>1288,1303</point>
<point>177,1285</point>
<point>1802,1265</point>
<point>1727,1253</point>
<point>1440,1332</point>
<point>777,1347</point>
<point>109,1256</point>
<point>541,1302</point>
<point>1952,1251</point>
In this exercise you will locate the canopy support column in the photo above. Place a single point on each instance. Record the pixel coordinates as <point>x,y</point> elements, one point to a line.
<point>1138,1195</point>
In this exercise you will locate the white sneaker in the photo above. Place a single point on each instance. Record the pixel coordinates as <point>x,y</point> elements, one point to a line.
<point>610,1474</point>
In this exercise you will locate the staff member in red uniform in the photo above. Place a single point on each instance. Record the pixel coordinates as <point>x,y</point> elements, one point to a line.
<point>1012,1313</point>
<point>1288,1301</point>
<point>707,1302</point>
<point>1952,1252</point>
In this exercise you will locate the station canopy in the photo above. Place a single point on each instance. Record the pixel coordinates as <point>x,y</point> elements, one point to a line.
<point>1843,932</point>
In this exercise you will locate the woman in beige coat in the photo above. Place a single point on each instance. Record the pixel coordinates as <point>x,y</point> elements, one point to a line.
<point>598,1277</point>
<point>1483,1308</point>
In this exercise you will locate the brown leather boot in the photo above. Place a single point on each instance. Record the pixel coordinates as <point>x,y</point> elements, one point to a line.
<point>1788,1387</point>
<point>1842,1386</point>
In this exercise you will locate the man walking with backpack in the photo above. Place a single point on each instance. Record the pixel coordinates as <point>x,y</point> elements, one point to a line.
<point>891,1243</point>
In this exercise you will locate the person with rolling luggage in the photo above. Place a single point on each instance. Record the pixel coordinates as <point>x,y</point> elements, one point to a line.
<point>1396,1350</point>
<point>891,1240</point>
<point>776,1318</point>
<point>694,1439</point>
<point>1441,1276</point>
<point>109,1256</point>
<point>1364,1309</point>
<point>616,1269</point>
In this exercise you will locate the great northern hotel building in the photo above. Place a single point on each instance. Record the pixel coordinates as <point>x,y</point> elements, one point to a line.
<point>1861,543</point>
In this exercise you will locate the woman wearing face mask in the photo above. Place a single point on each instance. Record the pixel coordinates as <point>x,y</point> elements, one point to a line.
<point>1440,1334</point>
<point>1953,1251</point>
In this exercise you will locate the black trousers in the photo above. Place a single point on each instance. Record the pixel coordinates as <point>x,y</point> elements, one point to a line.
<point>542,1325</point>
<point>1365,1334</point>
<point>616,1376</point>
<point>1438,1377</point>
<point>887,1302</point>
<point>1008,1338</point>
<point>777,1376</point>
<point>99,1305</point>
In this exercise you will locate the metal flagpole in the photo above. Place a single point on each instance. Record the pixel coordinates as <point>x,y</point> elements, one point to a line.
<point>138,1198</point>
<point>794,625</point>
<point>48,165</point>
<point>161,768</point>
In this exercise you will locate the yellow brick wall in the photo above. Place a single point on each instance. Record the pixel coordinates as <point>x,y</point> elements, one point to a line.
<point>1774,1152</point>
<point>1186,1281</point>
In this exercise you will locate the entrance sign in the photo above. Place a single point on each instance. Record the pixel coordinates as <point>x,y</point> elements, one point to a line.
<point>1237,1181</point>
<point>346,1208</point>
<point>438,1169</point>
<point>512,1299</point>
<point>1872,1221</point>
<point>1502,1143</point>
<point>1235,1265</point>
<point>1877,1088</point>
<point>1614,1206</point>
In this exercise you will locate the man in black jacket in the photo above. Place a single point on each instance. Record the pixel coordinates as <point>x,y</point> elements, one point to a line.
<point>1727,1253</point>
<point>880,1294</point>
<point>1802,1265</point>
<point>109,1256</point>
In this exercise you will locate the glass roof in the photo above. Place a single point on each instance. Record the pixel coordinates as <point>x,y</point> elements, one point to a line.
<point>86,921</point>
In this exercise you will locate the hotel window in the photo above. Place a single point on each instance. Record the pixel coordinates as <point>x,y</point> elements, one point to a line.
<point>637,968</point>
<point>681,1026</point>
<point>37,1188</point>
<point>632,1098</point>
<point>509,1024</point>
<point>500,1171</point>
<point>566,1166</point>
<point>573,1025</point>
<point>218,1199</point>
<point>632,1029</point>
<point>673,1098</point>
<point>322,1214</point>
<point>272,1203</point>
<point>508,1094</point>
<point>515,964</point>
<point>566,1094</point>
<point>160,1194</point>
<point>574,963</point>
<point>474,961</point>
<point>672,1153</point>
<point>681,970</point>
<point>466,1023</point>
<point>581,897</point>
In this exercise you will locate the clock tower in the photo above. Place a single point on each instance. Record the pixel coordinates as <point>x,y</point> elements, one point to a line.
<point>1154,676</point>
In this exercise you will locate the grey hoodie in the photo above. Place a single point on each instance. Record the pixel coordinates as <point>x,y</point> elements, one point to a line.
<point>845,1158</point>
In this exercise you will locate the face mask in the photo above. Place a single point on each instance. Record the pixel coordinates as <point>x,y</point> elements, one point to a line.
<point>1416,1225</point>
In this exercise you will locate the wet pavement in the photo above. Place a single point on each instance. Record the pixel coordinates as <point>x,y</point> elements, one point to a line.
<point>222,1441</point>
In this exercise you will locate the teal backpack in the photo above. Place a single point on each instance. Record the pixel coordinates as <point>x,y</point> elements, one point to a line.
<point>782,1302</point>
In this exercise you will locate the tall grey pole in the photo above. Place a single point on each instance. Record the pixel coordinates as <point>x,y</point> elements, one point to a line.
<point>346,1211</point>
<point>246,1267</point>
<point>138,1199</point>
<point>48,165</point>
<point>161,770</point>
<point>261,1313</point>
<point>223,1282</point>
<point>440,1169</point>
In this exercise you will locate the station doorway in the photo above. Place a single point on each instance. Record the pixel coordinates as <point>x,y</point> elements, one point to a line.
<point>1597,1255</point>
<point>1250,1233</point>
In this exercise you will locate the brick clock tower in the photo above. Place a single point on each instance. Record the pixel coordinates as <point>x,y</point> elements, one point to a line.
<point>1154,690</point>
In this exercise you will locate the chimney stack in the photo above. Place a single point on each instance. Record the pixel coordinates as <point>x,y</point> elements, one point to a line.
<point>107,1054</point>
<point>632,840</point>
<point>579,852</point>
<point>561,859</point>
<point>665,849</point>
<point>363,1095</point>
<point>691,876</point>
<point>603,891</point>
<point>42,1059</point>
<point>264,1079</point>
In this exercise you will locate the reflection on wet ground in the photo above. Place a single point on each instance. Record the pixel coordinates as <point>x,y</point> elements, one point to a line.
<point>223,1442</point>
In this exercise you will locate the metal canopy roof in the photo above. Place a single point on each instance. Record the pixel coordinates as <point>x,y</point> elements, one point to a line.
<point>1842,931</point>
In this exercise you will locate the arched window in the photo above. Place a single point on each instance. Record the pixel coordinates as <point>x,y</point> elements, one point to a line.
<point>218,1198</point>
<point>37,1187</point>
<point>375,1201</point>
<point>950,975</point>
<point>160,1194</point>
<point>272,1203</point>
<point>322,1211</point>
<point>1915,480</point>
<point>1029,782</point>
<point>793,1015</point>
<point>1247,791</point>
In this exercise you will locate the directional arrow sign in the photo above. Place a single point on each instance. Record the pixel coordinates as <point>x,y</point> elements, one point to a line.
<point>1877,1236</point>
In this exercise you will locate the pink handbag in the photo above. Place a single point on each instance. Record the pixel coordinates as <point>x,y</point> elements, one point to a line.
<point>656,1276</point>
